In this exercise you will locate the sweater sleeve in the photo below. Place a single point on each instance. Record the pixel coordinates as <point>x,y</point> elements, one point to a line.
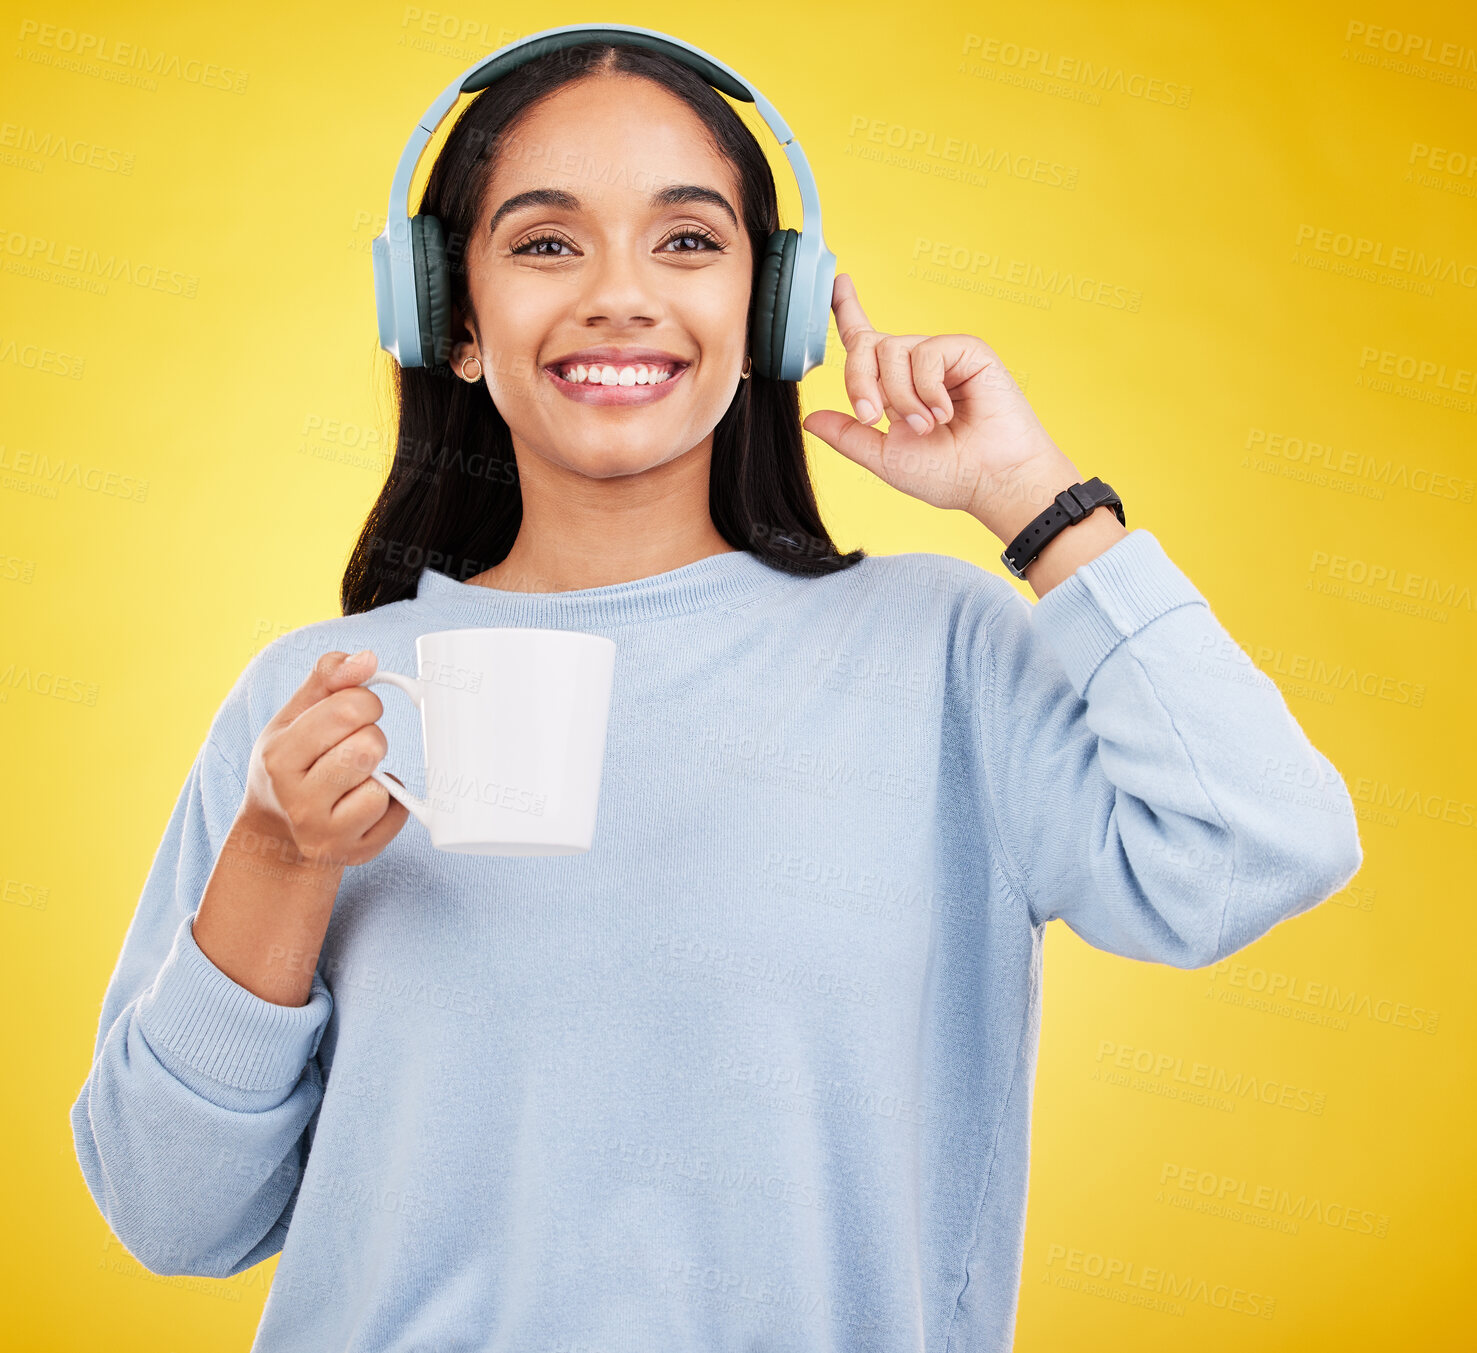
<point>191,1128</point>
<point>1146,782</point>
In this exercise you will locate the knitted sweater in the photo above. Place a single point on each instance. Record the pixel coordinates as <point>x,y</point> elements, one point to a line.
<point>756,1070</point>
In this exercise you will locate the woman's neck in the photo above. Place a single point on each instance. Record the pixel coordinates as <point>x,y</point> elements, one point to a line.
<point>558,566</point>
<point>580,532</point>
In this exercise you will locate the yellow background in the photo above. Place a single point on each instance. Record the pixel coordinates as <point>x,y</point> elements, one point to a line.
<point>256,411</point>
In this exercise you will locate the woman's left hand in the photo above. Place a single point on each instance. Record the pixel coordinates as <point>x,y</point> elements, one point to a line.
<point>961,433</point>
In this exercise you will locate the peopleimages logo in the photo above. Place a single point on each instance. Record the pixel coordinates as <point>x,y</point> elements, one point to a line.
<point>1202,1079</point>
<point>69,689</point>
<point>1274,988</point>
<point>961,151</point>
<point>1402,799</point>
<point>1380,470</point>
<point>33,146</point>
<point>71,49</point>
<point>1241,1199</point>
<point>51,472</point>
<point>1379,254</point>
<point>1338,676</point>
<point>26,254</point>
<point>1116,1272</point>
<point>1073,70</point>
<point>979,268</point>
<point>445,789</point>
<point>1443,160</point>
<point>1408,45</point>
<point>35,357</point>
<point>1391,578</point>
<point>1462,380</point>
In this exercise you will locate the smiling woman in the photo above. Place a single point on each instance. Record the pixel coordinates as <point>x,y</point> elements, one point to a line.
<point>605,214</point>
<point>752,1070</point>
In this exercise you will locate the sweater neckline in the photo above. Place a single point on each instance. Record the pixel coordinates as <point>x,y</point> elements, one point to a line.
<point>717,581</point>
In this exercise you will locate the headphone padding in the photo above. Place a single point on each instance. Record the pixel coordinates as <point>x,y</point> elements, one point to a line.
<point>772,302</point>
<point>432,288</point>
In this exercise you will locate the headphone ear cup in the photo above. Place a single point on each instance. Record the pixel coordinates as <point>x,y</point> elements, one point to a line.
<point>432,289</point>
<point>772,302</point>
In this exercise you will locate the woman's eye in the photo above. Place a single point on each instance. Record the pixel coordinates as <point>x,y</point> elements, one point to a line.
<point>705,241</point>
<point>529,246</point>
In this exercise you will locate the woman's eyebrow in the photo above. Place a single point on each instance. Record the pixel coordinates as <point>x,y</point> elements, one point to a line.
<point>676,196</point>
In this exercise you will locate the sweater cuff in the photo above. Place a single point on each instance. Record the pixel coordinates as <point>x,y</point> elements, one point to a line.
<point>1086,616</point>
<point>219,1030</point>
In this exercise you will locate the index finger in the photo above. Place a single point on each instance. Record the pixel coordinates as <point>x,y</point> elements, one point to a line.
<point>851,319</point>
<point>336,718</point>
<point>332,672</point>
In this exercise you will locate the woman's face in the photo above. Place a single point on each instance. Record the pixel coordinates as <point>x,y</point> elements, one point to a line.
<point>609,224</point>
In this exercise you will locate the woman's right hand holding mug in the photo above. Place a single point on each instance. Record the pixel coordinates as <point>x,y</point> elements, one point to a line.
<point>309,780</point>
<point>310,808</point>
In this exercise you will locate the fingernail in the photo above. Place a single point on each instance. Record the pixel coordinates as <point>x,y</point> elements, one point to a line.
<point>354,657</point>
<point>941,414</point>
<point>865,411</point>
<point>915,421</point>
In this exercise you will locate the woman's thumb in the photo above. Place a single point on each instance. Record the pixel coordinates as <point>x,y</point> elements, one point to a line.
<point>826,424</point>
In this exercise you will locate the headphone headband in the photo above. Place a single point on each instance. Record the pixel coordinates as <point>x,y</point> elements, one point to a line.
<point>804,268</point>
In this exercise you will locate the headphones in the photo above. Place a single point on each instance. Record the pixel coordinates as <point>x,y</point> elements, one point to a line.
<point>792,294</point>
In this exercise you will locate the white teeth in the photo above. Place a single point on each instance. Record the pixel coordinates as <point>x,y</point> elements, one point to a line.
<point>640,374</point>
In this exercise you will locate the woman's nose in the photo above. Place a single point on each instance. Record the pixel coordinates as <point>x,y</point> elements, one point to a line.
<point>618,284</point>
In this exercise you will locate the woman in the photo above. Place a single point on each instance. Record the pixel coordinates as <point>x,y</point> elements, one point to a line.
<point>756,1070</point>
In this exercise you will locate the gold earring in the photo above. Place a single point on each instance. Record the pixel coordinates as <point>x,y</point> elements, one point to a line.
<point>748,366</point>
<point>463,369</point>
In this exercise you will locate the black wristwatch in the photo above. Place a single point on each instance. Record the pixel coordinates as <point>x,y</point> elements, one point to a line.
<point>1069,506</point>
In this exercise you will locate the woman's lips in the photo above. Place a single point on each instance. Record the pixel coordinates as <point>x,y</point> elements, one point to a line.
<point>591,393</point>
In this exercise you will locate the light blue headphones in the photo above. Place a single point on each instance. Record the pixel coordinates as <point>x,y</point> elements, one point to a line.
<point>792,292</point>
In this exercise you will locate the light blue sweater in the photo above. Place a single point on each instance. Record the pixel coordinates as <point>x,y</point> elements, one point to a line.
<point>756,1071</point>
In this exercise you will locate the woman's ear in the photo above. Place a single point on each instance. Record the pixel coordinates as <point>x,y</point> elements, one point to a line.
<point>464,342</point>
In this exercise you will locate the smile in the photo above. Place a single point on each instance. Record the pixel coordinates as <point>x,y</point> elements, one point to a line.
<point>603,383</point>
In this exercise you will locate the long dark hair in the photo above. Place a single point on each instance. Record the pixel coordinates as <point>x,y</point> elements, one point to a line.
<point>451,500</point>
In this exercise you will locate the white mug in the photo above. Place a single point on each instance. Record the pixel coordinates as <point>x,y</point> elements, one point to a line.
<point>514,725</point>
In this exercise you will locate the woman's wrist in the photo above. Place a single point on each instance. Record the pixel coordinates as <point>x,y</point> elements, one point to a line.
<point>265,910</point>
<point>262,843</point>
<point>1019,498</point>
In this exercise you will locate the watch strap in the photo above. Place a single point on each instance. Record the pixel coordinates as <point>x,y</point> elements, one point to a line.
<point>1071,505</point>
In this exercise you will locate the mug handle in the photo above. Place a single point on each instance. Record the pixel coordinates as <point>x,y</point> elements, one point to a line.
<point>419,808</point>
